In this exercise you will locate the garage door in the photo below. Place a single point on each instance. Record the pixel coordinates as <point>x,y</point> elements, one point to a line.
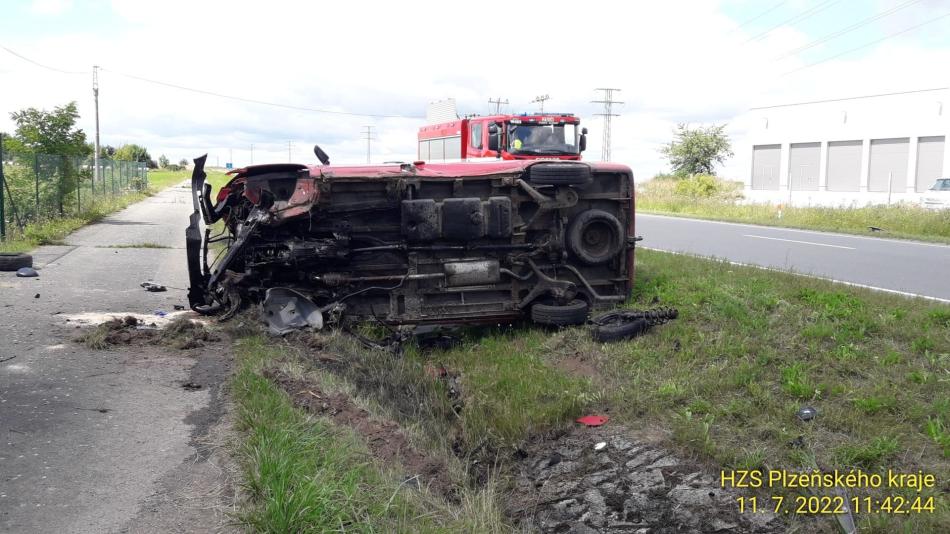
<point>888,165</point>
<point>765,162</point>
<point>844,165</point>
<point>803,166</point>
<point>929,161</point>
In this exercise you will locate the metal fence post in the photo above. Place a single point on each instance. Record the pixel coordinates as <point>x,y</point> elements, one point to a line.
<point>36,180</point>
<point>78,190</point>
<point>3,215</point>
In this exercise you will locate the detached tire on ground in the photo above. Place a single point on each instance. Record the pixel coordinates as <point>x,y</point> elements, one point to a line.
<point>618,331</point>
<point>595,237</point>
<point>574,312</point>
<point>559,174</point>
<point>12,261</point>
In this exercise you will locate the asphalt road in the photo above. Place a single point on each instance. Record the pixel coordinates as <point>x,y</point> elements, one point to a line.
<point>104,441</point>
<point>893,265</point>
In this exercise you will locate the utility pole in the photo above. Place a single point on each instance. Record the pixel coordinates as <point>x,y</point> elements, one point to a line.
<point>498,103</point>
<point>608,113</point>
<point>95,96</point>
<point>290,149</point>
<point>368,135</point>
<point>252,153</point>
<point>540,99</point>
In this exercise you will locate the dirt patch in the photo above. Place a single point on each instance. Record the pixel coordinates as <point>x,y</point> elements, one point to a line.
<point>569,483</point>
<point>181,333</point>
<point>579,365</point>
<point>383,437</point>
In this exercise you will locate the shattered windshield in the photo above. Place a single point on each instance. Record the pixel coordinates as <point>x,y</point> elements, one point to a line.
<point>540,139</point>
<point>942,184</point>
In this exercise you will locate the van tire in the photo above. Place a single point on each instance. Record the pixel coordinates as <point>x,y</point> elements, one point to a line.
<point>12,261</point>
<point>559,174</point>
<point>572,313</point>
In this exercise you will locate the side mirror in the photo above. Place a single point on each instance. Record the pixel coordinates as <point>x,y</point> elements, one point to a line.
<point>321,155</point>
<point>493,128</point>
<point>493,139</point>
<point>584,131</point>
<point>582,144</point>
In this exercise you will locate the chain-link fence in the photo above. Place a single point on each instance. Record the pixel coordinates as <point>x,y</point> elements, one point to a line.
<point>40,187</point>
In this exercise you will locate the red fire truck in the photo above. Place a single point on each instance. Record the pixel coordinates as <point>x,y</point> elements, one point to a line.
<point>536,136</point>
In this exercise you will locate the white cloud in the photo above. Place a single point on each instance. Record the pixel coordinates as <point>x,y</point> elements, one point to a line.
<point>50,7</point>
<point>677,61</point>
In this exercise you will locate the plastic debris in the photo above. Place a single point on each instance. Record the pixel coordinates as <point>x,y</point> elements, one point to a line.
<point>153,288</point>
<point>593,420</point>
<point>26,272</point>
<point>178,307</point>
<point>161,313</point>
<point>600,446</point>
<point>285,310</point>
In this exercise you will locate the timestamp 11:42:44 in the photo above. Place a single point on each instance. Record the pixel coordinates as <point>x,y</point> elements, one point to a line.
<point>837,504</point>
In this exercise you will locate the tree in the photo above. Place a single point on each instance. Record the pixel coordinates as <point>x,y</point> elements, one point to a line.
<point>162,161</point>
<point>50,132</point>
<point>183,163</point>
<point>133,152</point>
<point>697,151</point>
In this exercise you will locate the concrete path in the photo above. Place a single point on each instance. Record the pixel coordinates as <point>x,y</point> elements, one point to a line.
<point>102,441</point>
<point>894,265</point>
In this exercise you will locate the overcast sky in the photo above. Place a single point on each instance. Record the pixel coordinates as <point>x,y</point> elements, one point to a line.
<point>699,62</point>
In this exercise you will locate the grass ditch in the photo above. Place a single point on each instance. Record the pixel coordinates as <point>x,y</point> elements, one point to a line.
<point>303,473</point>
<point>722,384</point>
<point>722,203</point>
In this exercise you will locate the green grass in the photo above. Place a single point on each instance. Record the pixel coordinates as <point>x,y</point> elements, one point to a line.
<point>144,244</point>
<point>306,474</point>
<point>162,179</point>
<point>900,220</point>
<point>724,382</point>
<point>54,231</point>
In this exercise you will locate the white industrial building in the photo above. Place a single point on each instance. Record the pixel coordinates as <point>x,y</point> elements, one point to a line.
<point>855,151</point>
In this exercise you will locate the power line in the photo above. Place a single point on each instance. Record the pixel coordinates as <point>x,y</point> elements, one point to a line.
<point>256,101</point>
<point>848,29</point>
<point>850,98</point>
<point>608,114</point>
<point>38,64</point>
<point>213,93</point>
<point>760,15</point>
<point>874,42</point>
<point>797,18</point>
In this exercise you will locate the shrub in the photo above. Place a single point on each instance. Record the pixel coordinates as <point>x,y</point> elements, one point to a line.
<point>699,185</point>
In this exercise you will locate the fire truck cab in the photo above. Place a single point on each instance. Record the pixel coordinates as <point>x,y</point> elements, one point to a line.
<point>510,137</point>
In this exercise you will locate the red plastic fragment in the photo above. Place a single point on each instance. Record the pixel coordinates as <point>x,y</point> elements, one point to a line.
<point>593,420</point>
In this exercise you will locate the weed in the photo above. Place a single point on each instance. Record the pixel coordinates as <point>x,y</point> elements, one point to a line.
<point>939,433</point>
<point>796,383</point>
<point>146,244</point>
<point>940,316</point>
<point>873,405</point>
<point>869,455</point>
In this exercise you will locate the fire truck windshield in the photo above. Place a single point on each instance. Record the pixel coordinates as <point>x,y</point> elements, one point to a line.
<point>540,139</point>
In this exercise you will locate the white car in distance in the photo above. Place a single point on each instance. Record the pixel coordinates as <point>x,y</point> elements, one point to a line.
<point>938,196</point>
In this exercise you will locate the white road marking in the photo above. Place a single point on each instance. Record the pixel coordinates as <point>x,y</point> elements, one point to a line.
<point>798,230</point>
<point>804,275</point>
<point>797,241</point>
